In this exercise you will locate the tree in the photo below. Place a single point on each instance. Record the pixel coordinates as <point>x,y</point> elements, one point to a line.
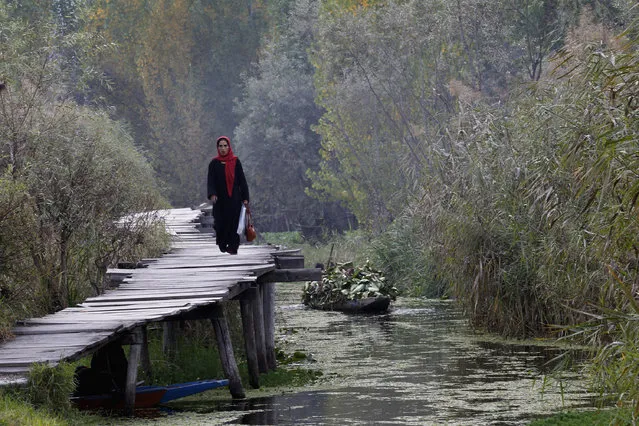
<point>181,61</point>
<point>70,171</point>
<point>274,136</point>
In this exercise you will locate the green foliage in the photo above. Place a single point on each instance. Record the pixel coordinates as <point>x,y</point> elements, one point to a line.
<point>69,173</point>
<point>385,77</point>
<point>407,259</point>
<point>194,359</point>
<point>175,75</point>
<point>15,218</point>
<point>274,137</point>
<point>51,387</point>
<point>585,418</point>
<point>14,411</point>
<point>343,282</point>
<point>288,376</point>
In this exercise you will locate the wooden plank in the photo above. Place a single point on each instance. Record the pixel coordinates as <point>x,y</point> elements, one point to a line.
<point>19,353</point>
<point>132,316</point>
<point>127,322</point>
<point>136,291</point>
<point>146,272</point>
<point>172,286</point>
<point>205,278</point>
<point>291,275</point>
<point>206,255</point>
<point>60,339</point>
<point>165,303</point>
<point>201,265</point>
<point>27,362</point>
<point>289,262</point>
<point>176,285</point>
<point>140,307</point>
<point>112,327</point>
<point>160,296</point>
<point>150,291</point>
<point>150,308</point>
<point>15,370</point>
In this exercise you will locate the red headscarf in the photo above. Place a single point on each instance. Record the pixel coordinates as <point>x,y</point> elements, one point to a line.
<point>229,166</point>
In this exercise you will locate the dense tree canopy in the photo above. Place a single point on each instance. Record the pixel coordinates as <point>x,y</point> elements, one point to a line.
<point>497,138</point>
<point>68,172</point>
<point>275,137</point>
<point>175,75</point>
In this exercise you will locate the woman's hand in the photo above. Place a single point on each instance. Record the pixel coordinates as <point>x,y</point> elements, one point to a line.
<point>245,203</point>
<point>213,198</point>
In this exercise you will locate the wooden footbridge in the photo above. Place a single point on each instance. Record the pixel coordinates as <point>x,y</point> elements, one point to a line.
<point>192,282</point>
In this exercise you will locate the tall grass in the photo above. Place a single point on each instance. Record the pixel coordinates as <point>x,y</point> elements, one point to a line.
<point>51,387</point>
<point>407,259</point>
<point>14,411</point>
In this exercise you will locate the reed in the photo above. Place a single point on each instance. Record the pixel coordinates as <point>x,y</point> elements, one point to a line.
<point>51,387</point>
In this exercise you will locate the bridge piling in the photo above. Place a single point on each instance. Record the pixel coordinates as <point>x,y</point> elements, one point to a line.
<point>132,371</point>
<point>248,327</point>
<point>169,339</point>
<point>258,321</point>
<point>225,348</point>
<point>268,296</point>
<point>145,358</point>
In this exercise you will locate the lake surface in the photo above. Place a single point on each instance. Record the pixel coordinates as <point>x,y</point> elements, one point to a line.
<point>419,364</point>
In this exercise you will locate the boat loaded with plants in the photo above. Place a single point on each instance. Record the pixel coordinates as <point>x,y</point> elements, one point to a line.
<point>345,287</point>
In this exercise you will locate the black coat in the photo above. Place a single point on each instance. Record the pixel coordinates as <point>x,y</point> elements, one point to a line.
<point>226,211</point>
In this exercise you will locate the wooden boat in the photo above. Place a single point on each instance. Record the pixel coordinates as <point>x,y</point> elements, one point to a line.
<point>368,305</point>
<point>181,390</point>
<point>146,396</point>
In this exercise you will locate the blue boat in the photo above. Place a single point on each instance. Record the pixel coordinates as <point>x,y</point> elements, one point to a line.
<point>147,396</point>
<point>180,390</point>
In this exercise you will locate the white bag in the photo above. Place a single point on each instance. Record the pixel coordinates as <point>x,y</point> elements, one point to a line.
<point>242,223</point>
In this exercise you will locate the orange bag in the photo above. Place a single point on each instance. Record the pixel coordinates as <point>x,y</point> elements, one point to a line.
<point>250,229</point>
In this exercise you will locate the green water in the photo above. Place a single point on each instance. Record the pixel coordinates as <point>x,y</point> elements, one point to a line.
<point>419,364</point>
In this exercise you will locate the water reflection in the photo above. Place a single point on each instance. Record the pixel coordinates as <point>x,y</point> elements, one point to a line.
<point>418,364</point>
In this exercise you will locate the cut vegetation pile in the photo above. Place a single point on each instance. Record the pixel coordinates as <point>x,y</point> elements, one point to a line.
<point>344,282</point>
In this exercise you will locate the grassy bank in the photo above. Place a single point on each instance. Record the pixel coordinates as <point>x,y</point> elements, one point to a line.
<point>617,417</point>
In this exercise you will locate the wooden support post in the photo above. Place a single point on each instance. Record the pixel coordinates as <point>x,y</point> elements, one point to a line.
<point>269,323</point>
<point>169,339</point>
<point>145,360</point>
<point>225,347</point>
<point>249,337</point>
<point>291,275</point>
<point>132,371</point>
<point>258,321</point>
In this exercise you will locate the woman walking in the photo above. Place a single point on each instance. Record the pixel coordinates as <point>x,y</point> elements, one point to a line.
<point>227,190</point>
